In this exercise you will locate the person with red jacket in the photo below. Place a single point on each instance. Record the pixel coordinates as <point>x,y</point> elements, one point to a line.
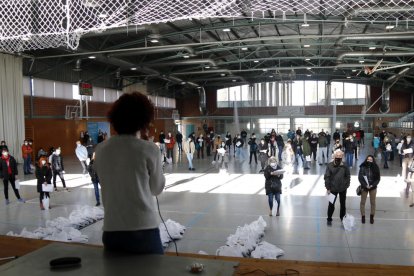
<point>169,143</point>
<point>8,172</point>
<point>27,157</point>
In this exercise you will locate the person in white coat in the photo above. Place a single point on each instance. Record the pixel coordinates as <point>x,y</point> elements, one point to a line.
<point>189,149</point>
<point>82,154</point>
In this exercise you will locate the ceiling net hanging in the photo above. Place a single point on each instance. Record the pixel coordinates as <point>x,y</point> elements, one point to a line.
<point>39,24</point>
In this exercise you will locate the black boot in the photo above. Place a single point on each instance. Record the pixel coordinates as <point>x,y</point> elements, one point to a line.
<point>363,219</point>
<point>371,219</point>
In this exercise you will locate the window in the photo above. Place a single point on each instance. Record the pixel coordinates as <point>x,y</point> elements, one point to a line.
<point>350,90</point>
<point>321,92</point>
<point>314,124</point>
<point>298,93</point>
<point>311,93</point>
<point>337,92</point>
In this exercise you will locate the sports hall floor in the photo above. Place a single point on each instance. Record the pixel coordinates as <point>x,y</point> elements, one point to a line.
<point>212,203</point>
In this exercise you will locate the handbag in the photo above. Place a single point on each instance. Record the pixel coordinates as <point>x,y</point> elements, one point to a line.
<point>411,167</point>
<point>17,184</point>
<point>358,190</point>
<point>47,188</point>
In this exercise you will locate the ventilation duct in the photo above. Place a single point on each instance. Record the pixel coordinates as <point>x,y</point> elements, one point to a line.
<point>385,99</point>
<point>202,101</point>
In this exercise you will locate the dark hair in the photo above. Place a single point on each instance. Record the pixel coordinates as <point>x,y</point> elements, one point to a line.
<point>130,113</point>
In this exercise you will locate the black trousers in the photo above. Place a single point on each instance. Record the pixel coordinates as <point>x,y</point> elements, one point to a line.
<point>56,173</point>
<point>6,188</point>
<point>342,202</point>
<point>314,150</point>
<point>255,156</point>
<point>43,195</point>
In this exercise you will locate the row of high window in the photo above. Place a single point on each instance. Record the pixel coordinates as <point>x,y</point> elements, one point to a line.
<point>292,93</point>
<point>64,90</point>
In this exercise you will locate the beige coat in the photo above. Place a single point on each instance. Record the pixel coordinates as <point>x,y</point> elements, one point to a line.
<point>187,146</point>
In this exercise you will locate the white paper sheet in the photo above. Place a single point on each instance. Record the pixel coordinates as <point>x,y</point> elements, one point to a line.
<point>331,198</point>
<point>366,180</point>
<point>238,144</point>
<point>47,188</point>
<point>407,151</point>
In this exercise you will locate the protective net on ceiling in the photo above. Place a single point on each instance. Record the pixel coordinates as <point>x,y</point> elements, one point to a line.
<point>39,24</point>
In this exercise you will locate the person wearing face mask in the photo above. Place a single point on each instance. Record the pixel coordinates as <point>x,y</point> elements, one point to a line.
<point>216,145</point>
<point>253,148</point>
<point>3,146</point>
<point>27,153</point>
<point>407,150</point>
<point>58,168</point>
<point>189,149</point>
<point>306,152</point>
<point>8,172</point>
<point>200,146</point>
<point>170,146</point>
<point>224,154</point>
<point>337,180</point>
<point>368,171</point>
<point>349,146</point>
<point>228,140</point>
<point>94,178</point>
<point>161,138</point>
<point>263,154</point>
<point>273,184</point>
<point>82,154</point>
<point>313,141</point>
<point>43,176</point>
<point>239,147</point>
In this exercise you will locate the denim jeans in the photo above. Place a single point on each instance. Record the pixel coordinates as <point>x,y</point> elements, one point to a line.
<point>349,159</point>
<point>280,152</point>
<point>135,242</point>
<point>277,198</point>
<point>26,164</point>
<point>96,188</point>
<point>190,160</point>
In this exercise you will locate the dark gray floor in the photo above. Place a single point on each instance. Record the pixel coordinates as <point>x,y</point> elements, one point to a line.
<point>212,203</point>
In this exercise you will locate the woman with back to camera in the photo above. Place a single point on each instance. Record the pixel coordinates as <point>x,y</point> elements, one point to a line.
<point>368,172</point>
<point>130,174</point>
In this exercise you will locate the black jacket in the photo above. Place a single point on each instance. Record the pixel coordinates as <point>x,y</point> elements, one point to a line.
<point>372,173</point>
<point>92,173</point>
<point>3,168</point>
<point>336,136</point>
<point>43,175</point>
<point>275,179</point>
<point>337,179</point>
<point>57,163</point>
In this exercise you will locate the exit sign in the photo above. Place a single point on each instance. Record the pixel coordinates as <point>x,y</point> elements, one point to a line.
<point>85,89</point>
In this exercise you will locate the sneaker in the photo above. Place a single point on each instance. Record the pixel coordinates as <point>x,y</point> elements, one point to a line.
<point>56,189</point>
<point>192,169</point>
<point>214,162</point>
<point>411,205</point>
<point>21,200</point>
<point>66,190</point>
<point>7,202</point>
<point>329,222</point>
<point>98,204</point>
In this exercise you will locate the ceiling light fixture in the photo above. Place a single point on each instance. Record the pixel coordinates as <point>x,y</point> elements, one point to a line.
<point>244,48</point>
<point>186,56</point>
<point>271,76</point>
<point>348,77</point>
<point>372,48</point>
<point>307,59</point>
<point>154,40</point>
<point>309,75</point>
<point>226,30</point>
<point>207,67</point>
<point>133,68</point>
<point>361,61</point>
<point>305,25</point>
<point>306,46</point>
<point>91,57</point>
<point>222,74</point>
<point>183,82</point>
<point>234,80</point>
<point>256,61</point>
<point>264,70</point>
<point>102,15</point>
<point>389,27</point>
<point>354,70</point>
<point>308,68</point>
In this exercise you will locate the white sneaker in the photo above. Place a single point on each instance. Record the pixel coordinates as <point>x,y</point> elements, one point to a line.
<point>214,162</point>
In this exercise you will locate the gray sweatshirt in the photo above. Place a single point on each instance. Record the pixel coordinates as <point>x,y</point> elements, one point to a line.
<point>130,174</point>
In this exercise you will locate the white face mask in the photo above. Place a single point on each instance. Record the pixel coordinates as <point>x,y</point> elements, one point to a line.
<point>5,153</point>
<point>273,165</point>
<point>43,162</point>
<point>57,152</point>
<point>262,142</point>
<point>25,143</point>
<point>254,136</point>
<point>408,140</point>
